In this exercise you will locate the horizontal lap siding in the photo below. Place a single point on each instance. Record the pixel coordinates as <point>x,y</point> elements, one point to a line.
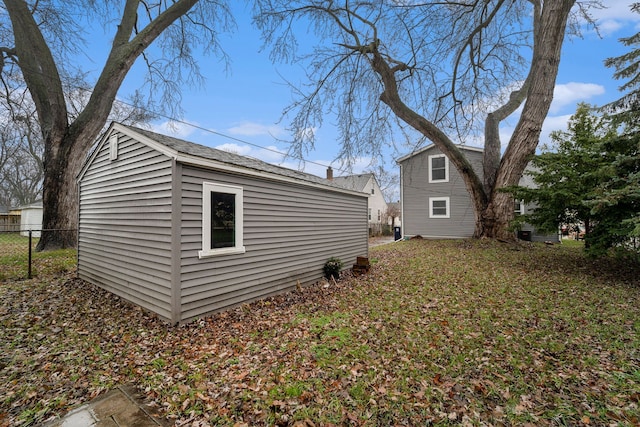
<point>125,225</point>
<point>290,231</point>
<point>416,193</point>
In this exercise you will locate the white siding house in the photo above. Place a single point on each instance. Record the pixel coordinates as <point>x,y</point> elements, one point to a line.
<point>31,219</point>
<point>185,230</point>
<point>434,199</point>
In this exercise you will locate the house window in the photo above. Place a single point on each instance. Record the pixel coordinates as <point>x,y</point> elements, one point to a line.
<point>518,207</point>
<point>222,220</point>
<point>379,215</point>
<point>113,146</point>
<point>369,214</point>
<point>438,168</point>
<point>438,207</point>
<point>373,191</point>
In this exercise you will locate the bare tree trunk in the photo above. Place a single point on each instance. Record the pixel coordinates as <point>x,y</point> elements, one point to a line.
<point>60,196</point>
<point>548,38</point>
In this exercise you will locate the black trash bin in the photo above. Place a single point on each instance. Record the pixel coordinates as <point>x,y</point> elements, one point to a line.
<point>524,235</point>
<point>397,234</point>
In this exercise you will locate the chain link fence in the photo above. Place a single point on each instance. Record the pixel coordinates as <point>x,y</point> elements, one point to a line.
<point>19,260</point>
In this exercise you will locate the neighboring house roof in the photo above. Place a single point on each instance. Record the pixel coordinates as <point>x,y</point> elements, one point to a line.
<point>196,154</point>
<point>430,146</point>
<point>35,205</point>
<point>353,182</point>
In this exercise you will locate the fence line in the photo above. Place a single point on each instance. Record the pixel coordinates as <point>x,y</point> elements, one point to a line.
<point>18,259</point>
<point>9,222</point>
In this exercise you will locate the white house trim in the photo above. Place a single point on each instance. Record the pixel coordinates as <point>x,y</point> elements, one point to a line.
<point>447,206</point>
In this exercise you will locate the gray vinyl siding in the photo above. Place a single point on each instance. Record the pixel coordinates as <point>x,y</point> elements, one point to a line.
<point>527,181</point>
<point>416,191</point>
<point>290,231</point>
<point>140,226</point>
<point>125,224</point>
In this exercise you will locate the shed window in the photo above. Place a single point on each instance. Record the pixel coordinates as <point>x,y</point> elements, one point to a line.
<point>438,168</point>
<point>222,220</point>
<point>438,207</point>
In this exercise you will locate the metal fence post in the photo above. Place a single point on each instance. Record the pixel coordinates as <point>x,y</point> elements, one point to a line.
<point>29,274</point>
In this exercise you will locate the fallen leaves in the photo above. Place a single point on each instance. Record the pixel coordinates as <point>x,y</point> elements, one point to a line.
<point>468,333</point>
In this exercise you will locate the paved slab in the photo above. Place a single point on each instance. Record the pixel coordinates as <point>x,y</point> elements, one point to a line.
<point>121,407</point>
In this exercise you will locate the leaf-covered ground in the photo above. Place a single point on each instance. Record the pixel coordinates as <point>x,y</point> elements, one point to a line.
<point>439,332</point>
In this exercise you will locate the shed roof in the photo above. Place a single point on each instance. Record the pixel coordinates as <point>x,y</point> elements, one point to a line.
<point>201,155</point>
<point>35,205</point>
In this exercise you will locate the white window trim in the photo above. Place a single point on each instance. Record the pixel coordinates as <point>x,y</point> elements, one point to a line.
<point>207,189</point>
<point>439,199</point>
<point>113,146</point>
<point>446,168</point>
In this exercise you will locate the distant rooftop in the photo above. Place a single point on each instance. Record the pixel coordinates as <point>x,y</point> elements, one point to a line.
<point>353,182</point>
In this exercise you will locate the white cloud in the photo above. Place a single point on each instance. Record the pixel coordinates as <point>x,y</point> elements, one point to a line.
<point>572,92</point>
<point>615,15</point>
<point>255,129</point>
<point>175,129</point>
<point>609,26</point>
<point>553,123</point>
<point>271,154</point>
<point>617,10</point>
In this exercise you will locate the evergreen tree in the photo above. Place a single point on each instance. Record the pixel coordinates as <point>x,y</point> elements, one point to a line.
<point>567,172</point>
<point>616,201</point>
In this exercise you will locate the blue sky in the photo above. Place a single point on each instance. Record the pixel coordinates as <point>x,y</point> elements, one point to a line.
<point>245,104</point>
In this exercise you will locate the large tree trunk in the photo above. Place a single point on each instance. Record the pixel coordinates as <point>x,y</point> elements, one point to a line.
<point>548,38</point>
<point>66,144</point>
<point>60,194</point>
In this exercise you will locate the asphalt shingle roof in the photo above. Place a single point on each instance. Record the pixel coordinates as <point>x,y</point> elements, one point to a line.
<point>189,148</point>
<point>353,182</point>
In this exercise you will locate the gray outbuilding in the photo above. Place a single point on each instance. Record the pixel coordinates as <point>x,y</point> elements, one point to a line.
<point>185,230</point>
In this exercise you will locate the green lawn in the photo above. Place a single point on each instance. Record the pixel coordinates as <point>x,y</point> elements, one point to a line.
<point>439,332</point>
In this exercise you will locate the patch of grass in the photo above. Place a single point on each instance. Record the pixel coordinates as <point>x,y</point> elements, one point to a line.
<point>438,333</point>
<point>14,259</point>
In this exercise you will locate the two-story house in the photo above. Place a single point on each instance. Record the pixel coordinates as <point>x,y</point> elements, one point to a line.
<point>434,199</point>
